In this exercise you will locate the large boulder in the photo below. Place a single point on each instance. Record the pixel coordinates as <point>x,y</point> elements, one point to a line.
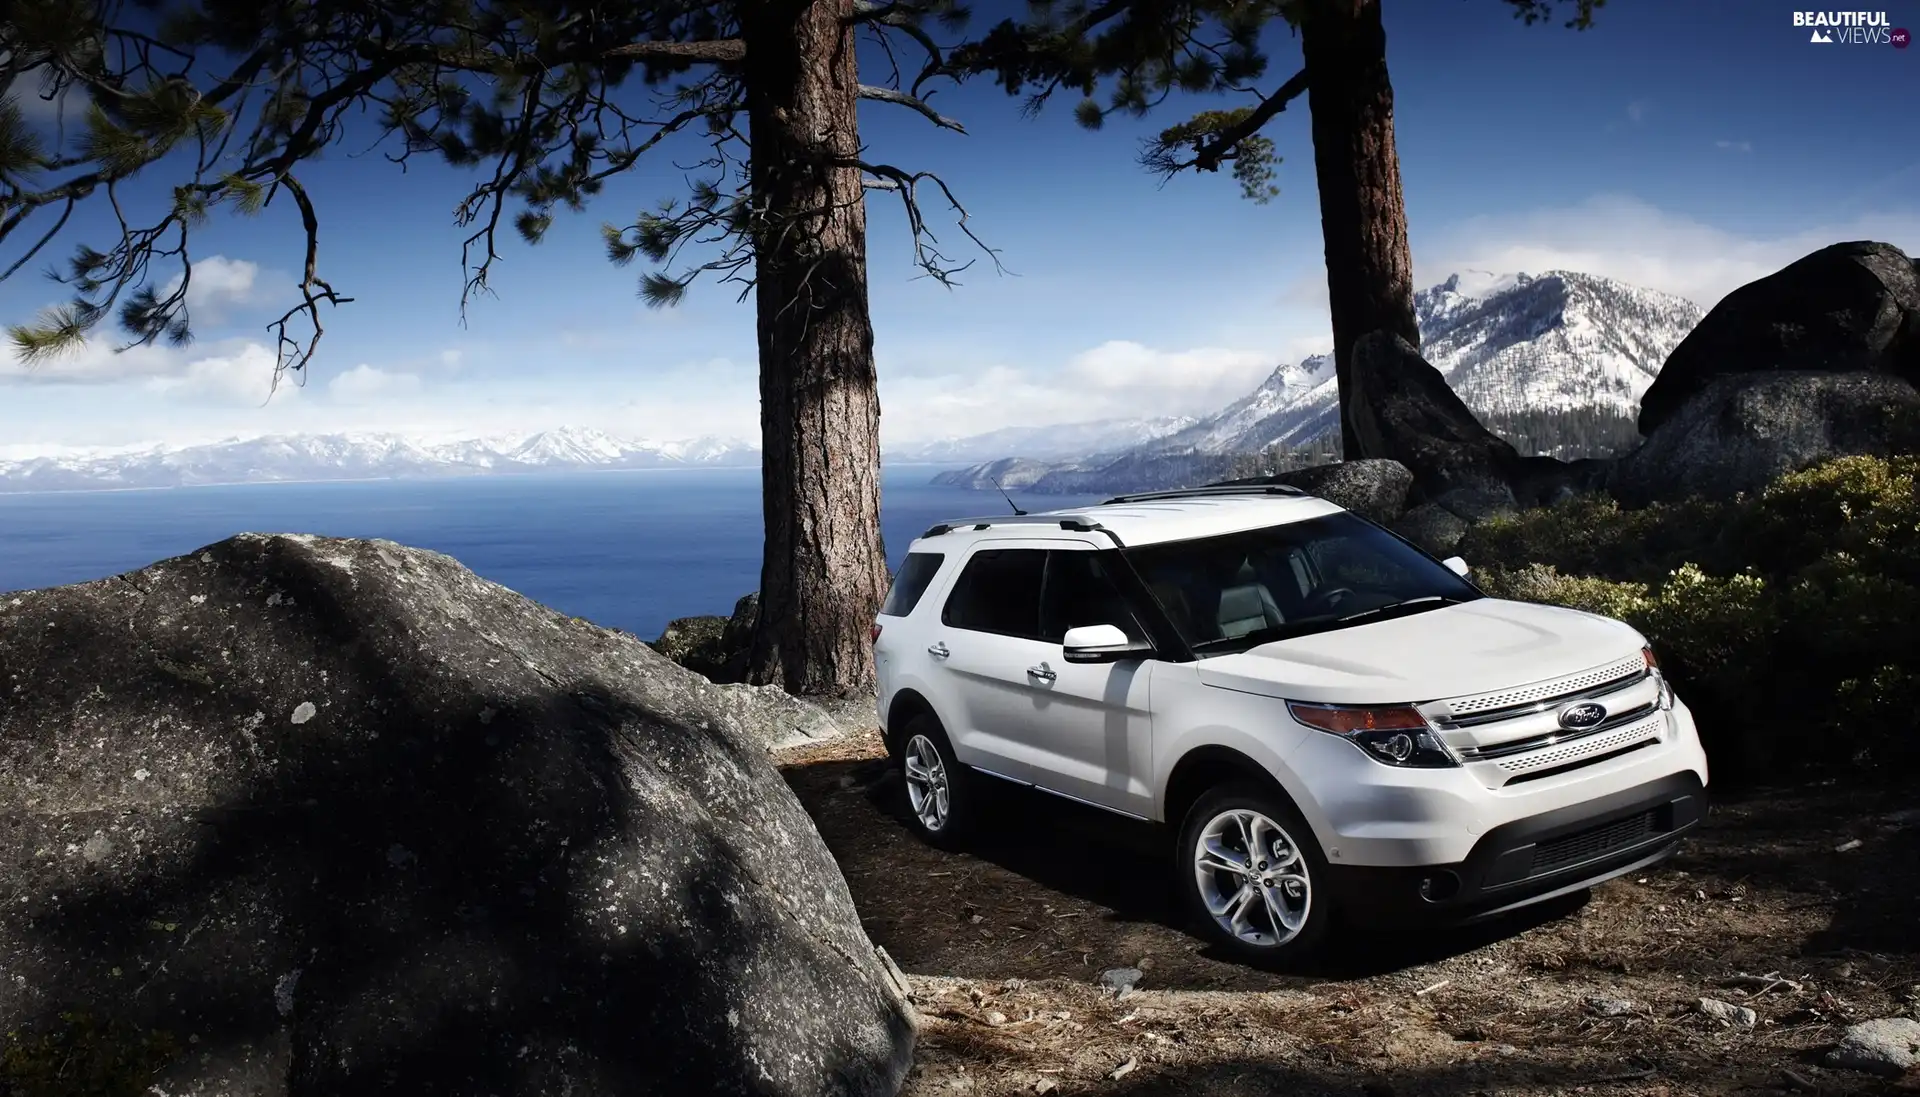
<point>299,816</point>
<point>1372,487</point>
<point>1851,307</point>
<point>1744,430</point>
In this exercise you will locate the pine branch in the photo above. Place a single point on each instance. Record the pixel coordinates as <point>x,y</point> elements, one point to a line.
<point>1210,153</point>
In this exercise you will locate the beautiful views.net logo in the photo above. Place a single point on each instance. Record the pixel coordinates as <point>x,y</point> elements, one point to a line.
<point>1858,28</point>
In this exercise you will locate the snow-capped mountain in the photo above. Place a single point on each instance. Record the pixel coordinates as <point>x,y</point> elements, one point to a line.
<point>1508,344</point>
<point>364,456</point>
<point>290,457</point>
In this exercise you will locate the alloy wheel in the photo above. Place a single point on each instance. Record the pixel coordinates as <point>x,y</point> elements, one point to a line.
<point>928,791</point>
<point>1253,879</point>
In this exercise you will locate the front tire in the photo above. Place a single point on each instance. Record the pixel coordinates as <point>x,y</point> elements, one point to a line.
<point>941,792</point>
<point>1252,876</point>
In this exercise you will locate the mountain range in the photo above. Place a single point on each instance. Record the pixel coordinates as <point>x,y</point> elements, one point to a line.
<point>357,456</point>
<point>1510,345</point>
<point>1560,343</point>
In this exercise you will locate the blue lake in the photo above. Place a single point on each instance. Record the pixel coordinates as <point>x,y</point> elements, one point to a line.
<point>632,550</point>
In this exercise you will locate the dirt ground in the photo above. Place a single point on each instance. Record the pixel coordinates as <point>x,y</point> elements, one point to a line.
<point>1801,905</point>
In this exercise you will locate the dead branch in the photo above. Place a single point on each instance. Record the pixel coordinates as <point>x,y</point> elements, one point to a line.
<point>901,98</point>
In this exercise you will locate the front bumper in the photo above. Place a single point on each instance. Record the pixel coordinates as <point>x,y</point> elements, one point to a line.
<point>1529,860</point>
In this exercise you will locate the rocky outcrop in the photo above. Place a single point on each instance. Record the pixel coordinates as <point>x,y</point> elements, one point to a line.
<point>1375,488</point>
<point>299,816</point>
<point>1852,307</point>
<point>696,643</point>
<point>1744,430</point>
<point>712,646</point>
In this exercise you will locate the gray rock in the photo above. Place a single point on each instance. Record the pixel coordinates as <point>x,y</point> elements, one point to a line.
<point>1743,431</point>
<point>736,640</point>
<point>1432,527</point>
<point>1121,979</point>
<point>1601,1006</point>
<point>1846,308</point>
<point>695,643</point>
<point>1375,488</point>
<point>1727,1013</point>
<point>509,852</point>
<point>713,646</point>
<point>1889,1046</point>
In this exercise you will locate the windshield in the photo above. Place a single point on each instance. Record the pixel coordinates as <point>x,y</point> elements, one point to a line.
<point>1231,592</point>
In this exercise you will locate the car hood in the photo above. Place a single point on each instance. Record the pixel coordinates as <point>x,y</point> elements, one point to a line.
<point>1475,647</point>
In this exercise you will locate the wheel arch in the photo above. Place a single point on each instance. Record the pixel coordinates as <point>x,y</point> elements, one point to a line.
<point>906,704</point>
<point>1207,767</point>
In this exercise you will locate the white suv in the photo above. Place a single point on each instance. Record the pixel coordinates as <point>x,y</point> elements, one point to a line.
<point>1339,725</point>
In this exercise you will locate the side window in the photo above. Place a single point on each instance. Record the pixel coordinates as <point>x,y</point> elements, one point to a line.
<point>910,582</point>
<point>1080,592</point>
<point>998,591</point>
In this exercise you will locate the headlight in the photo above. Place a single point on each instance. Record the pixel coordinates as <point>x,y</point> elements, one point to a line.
<point>1396,736</point>
<point>1653,668</point>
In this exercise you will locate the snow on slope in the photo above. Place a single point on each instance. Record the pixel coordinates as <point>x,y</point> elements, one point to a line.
<point>357,456</point>
<point>1560,341</point>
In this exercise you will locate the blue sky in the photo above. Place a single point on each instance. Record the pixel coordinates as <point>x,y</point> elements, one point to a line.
<point>1688,147</point>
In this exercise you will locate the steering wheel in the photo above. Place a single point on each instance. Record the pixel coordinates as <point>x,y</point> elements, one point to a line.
<point>1331,599</point>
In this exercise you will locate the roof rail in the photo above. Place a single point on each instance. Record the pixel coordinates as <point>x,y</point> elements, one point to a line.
<point>1208,490</point>
<point>1064,521</point>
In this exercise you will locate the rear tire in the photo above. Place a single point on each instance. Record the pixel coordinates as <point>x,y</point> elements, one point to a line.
<point>1251,875</point>
<point>942,795</point>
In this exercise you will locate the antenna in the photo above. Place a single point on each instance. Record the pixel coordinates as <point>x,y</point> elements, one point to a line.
<point>1008,498</point>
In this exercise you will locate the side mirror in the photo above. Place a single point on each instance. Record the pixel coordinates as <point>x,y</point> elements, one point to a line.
<point>1456,565</point>
<point>1101,644</point>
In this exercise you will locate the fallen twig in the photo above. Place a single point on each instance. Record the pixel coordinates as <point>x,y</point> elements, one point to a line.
<point>1424,991</point>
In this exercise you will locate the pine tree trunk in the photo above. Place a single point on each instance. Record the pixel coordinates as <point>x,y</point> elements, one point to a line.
<point>824,571</point>
<point>1363,216</point>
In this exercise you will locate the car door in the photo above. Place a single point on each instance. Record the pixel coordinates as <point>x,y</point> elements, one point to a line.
<point>1090,722</point>
<point>986,642</point>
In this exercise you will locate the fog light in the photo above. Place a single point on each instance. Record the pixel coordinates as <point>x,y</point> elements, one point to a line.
<point>1439,886</point>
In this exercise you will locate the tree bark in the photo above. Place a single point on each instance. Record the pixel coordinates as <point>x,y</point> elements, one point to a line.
<point>824,571</point>
<point>1363,216</point>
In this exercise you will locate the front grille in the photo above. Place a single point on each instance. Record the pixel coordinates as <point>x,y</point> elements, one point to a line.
<point>1556,754</point>
<point>1542,695</point>
<point>1592,843</point>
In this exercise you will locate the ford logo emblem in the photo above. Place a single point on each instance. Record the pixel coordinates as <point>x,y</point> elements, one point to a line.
<point>1582,716</point>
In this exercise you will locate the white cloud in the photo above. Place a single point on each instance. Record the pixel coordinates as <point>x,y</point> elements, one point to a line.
<point>242,378</point>
<point>1733,146</point>
<point>364,384</point>
<point>1625,238</point>
<point>1637,110</point>
<point>1117,379</point>
<point>219,286</point>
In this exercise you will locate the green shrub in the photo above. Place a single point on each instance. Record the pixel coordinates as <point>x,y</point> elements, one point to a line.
<point>1785,618</point>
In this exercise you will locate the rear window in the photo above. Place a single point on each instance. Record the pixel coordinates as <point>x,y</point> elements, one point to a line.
<point>910,582</point>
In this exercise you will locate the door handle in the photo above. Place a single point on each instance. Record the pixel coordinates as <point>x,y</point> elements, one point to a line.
<point>1042,672</point>
<point>938,649</point>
